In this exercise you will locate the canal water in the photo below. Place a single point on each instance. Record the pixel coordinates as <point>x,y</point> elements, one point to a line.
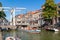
<point>43,35</point>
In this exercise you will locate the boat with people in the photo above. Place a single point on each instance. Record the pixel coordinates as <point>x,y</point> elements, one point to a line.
<point>52,29</point>
<point>34,31</point>
<point>12,38</point>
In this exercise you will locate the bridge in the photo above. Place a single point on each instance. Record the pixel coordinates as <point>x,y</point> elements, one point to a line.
<point>8,26</point>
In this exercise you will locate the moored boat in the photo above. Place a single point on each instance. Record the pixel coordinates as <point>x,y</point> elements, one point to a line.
<point>52,29</point>
<point>34,31</point>
<point>56,29</point>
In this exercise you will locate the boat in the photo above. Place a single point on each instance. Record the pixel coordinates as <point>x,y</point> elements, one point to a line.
<point>56,29</point>
<point>34,31</point>
<point>52,29</point>
<point>12,38</point>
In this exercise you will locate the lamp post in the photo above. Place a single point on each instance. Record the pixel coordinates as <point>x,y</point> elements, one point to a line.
<point>13,16</point>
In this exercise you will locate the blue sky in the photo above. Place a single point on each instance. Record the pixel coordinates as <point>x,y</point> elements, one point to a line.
<point>30,5</point>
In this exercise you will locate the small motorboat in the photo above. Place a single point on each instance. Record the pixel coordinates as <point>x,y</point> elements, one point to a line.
<point>12,38</point>
<point>52,29</point>
<point>56,29</point>
<point>34,31</point>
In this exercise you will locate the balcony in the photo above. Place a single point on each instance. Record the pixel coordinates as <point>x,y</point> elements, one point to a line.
<point>22,24</point>
<point>35,25</point>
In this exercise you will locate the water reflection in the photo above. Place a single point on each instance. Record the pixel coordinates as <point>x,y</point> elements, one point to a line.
<point>56,32</point>
<point>7,34</point>
<point>1,38</point>
<point>44,35</point>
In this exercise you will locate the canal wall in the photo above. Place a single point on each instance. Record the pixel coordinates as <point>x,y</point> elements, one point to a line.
<point>9,26</point>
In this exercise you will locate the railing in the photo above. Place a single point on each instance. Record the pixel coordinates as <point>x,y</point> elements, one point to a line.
<point>22,24</point>
<point>8,26</point>
<point>35,25</point>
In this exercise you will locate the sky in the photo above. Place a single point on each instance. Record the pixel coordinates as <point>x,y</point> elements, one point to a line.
<point>30,5</point>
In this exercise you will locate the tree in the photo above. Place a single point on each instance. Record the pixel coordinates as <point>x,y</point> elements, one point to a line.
<point>49,10</point>
<point>2,14</point>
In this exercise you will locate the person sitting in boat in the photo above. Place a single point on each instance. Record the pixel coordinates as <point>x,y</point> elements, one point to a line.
<point>18,37</point>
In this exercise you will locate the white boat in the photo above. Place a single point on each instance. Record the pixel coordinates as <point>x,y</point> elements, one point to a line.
<point>52,29</point>
<point>12,38</point>
<point>56,29</point>
<point>34,31</point>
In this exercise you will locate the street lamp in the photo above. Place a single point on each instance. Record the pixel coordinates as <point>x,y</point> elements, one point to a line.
<point>12,16</point>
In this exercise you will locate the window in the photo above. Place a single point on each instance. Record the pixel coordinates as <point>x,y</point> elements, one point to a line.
<point>58,12</point>
<point>59,19</point>
<point>59,6</point>
<point>23,21</point>
<point>36,21</point>
<point>18,21</point>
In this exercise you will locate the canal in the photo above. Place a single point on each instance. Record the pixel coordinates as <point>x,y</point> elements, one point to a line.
<point>43,35</point>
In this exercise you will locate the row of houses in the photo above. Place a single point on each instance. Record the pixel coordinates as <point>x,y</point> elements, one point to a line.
<point>58,11</point>
<point>34,18</point>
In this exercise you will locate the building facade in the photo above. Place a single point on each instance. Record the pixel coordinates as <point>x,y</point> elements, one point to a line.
<point>21,20</point>
<point>58,11</point>
<point>32,19</point>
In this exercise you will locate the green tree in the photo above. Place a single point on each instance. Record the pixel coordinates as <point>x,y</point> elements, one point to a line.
<point>2,14</point>
<point>49,10</point>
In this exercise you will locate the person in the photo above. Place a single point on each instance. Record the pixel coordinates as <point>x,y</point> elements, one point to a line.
<point>11,39</point>
<point>18,37</point>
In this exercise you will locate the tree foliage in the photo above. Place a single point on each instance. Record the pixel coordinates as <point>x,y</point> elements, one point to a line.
<point>2,14</point>
<point>50,9</point>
